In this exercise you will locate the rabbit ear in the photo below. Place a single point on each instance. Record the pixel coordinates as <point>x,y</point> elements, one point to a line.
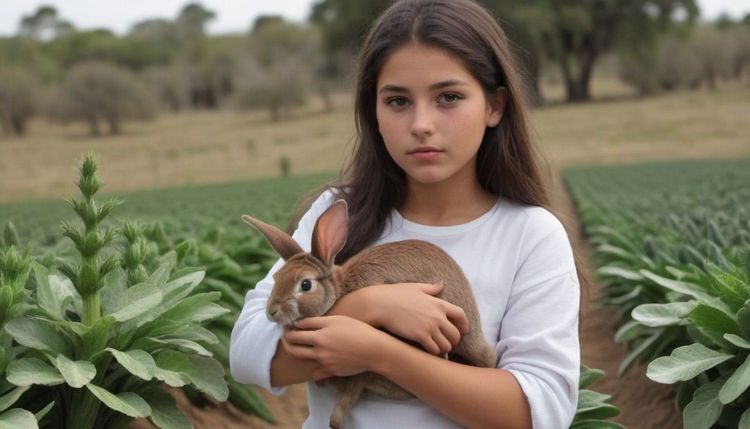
<point>330,232</point>
<point>281,242</point>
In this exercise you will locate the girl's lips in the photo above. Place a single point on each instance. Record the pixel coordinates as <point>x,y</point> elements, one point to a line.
<point>426,153</point>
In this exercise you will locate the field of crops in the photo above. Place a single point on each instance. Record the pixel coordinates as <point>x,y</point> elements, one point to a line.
<point>672,245</point>
<point>103,301</point>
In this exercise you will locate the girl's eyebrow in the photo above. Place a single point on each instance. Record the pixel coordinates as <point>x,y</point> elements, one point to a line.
<point>434,86</point>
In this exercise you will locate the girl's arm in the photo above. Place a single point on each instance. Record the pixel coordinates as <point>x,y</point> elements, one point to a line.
<point>473,397</point>
<point>408,310</point>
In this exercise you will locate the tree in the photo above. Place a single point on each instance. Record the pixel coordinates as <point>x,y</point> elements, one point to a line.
<point>284,60</point>
<point>192,20</point>
<point>575,33</point>
<point>44,25</point>
<point>98,91</point>
<point>345,22</point>
<point>17,99</point>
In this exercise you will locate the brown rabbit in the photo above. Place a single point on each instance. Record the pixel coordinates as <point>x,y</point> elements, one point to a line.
<point>309,284</point>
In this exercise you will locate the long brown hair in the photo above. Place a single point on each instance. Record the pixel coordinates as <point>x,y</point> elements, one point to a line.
<point>371,182</point>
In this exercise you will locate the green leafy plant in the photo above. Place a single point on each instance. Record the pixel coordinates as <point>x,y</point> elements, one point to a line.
<point>594,409</point>
<point>99,342</point>
<point>673,247</point>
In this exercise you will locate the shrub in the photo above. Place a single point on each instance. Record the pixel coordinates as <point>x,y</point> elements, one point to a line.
<point>97,91</point>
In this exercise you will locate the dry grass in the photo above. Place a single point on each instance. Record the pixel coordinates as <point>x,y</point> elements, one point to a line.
<point>203,147</point>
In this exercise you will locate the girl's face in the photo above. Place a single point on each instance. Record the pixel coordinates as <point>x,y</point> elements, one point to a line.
<point>432,114</point>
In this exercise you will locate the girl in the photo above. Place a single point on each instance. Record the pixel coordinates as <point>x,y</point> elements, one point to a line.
<point>444,155</point>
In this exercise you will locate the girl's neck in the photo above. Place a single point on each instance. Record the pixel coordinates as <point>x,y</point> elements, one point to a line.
<point>446,203</point>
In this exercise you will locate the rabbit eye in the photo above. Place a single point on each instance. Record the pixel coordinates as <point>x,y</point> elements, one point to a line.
<point>305,285</point>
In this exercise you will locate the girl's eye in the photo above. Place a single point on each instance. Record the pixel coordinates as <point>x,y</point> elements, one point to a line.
<point>449,98</point>
<point>306,285</point>
<point>397,101</point>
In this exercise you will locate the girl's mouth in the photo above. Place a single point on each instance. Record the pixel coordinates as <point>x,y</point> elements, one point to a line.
<point>426,153</point>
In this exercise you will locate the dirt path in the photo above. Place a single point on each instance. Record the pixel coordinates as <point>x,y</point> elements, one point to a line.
<point>644,404</point>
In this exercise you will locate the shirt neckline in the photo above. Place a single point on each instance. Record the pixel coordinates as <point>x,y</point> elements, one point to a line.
<point>443,230</point>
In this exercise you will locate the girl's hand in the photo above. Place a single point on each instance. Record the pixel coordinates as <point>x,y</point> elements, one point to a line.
<point>411,311</point>
<point>341,345</point>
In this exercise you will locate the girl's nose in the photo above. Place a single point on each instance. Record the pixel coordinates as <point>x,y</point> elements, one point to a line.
<point>422,124</point>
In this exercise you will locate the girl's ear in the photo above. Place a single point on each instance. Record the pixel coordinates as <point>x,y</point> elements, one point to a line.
<point>496,106</point>
<point>281,242</point>
<point>330,232</point>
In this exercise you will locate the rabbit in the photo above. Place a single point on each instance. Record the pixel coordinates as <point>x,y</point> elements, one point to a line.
<point>309,284</point>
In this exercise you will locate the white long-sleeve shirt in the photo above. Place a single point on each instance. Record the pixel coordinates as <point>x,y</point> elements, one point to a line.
<point>519,263</point>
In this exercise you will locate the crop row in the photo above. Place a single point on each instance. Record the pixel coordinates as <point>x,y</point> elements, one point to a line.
<point>672,246</point>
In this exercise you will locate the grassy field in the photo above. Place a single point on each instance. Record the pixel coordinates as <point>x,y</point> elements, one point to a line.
<point>209,147</point>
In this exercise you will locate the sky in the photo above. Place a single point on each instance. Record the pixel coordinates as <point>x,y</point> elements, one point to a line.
<point>232,16</point>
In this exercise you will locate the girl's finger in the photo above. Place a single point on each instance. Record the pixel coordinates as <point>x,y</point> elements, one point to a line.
<point>313,322</point>
<point>431,289</point>
<point>457,316</point>
<point>430,346</point>
<point>304,338</point>
<point>443,343</point>
<point>450,332</point>
<point>300,352</point>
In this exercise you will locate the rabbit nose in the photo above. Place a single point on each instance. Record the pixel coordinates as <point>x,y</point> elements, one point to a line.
<point>273,310</point>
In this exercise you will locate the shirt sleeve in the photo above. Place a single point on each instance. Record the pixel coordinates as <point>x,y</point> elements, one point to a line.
<point>254,337</point>
<point>538,341</point>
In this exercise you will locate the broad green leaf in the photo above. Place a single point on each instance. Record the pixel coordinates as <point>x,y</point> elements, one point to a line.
<point>185,345</point>
<point>206,374</point>
<point>714,320</point>
<point>138,300</point>
<point>54,293</point>
<point>596,424</point>
<point>744,420</point>
<point>737,383</point>
<point>137,362</point>
<point>737,341</point>
<point>195,333</point>
<point>743,319</point>
<point>599,412</point>
<point>172,378</point>
<point>164,411</point>
<point>113,291</point>
<point>76,373</point>
<point>637,352</point>
<point>175,290</point>
<point>244,397</point>
<point>7,400</point>
<point>628,331</point>
<point>589,400</point>
<point>28,371</point>
<point>194,309</point>
<point>684,363</point>
<point>589,376</point>
<point>685,288</point>
<point>38,334</point>
<point>613,271</point>
<point>616,251</point>
<point>127,403</point>
<point>43,412</point>
<point>18,418</point>
<point>655,315</point>
<point>159,276</point>
<point>704,410</point>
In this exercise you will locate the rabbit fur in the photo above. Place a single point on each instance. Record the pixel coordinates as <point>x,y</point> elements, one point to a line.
<point>310,283</point>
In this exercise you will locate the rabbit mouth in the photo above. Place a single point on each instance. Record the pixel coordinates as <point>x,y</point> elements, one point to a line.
<point>285,313</point>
